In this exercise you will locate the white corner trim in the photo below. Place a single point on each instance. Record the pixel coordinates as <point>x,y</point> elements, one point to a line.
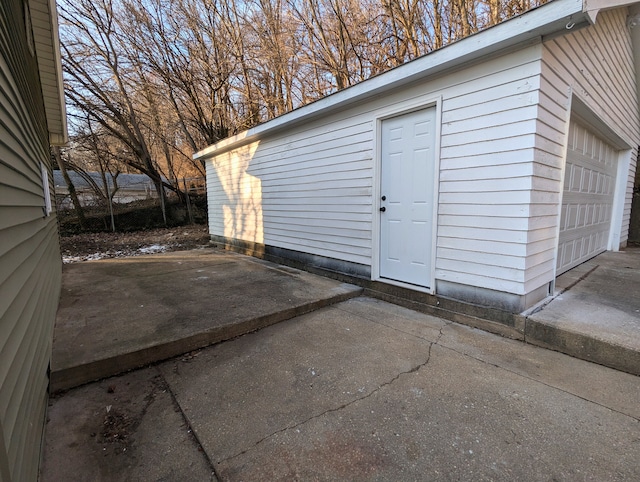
<point>563,172</point>
<point>619,196</point>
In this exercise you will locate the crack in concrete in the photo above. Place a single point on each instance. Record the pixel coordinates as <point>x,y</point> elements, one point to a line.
<point>343,406</point>
<point>165,385</point>
<point>448,323</point>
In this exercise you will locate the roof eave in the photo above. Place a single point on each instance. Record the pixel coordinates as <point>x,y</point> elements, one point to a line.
<point>47,46</point>
<point>550,19</point>
<point>593,7</point>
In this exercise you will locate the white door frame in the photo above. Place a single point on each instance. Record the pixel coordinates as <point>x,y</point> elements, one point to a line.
<point>412,105</point>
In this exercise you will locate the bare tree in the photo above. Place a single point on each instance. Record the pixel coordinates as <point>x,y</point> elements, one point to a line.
<point>185,50</point>
<point>406,19</point>
<point>165,78</point>
<point>99,75</point>
<point>274,57</point>
<point>62,166</point>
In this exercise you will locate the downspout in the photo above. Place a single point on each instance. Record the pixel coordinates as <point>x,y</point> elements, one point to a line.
<point>633,22</point>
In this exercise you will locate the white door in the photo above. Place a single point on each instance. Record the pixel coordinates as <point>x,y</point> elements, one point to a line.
<point>406,205</point>
<point>587,199</point>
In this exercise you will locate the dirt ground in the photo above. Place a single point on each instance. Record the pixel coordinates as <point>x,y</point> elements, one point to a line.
<point>92,246</point>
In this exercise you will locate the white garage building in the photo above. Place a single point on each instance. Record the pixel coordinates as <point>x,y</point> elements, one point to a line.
<point>477,173</point>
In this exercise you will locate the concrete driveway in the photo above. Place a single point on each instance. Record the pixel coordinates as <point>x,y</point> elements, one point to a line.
<point>358,389</point>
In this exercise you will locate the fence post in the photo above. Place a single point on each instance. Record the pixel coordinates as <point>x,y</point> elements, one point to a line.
<point>186,193</point>
<point>162,205</point>
<point>113,222</point>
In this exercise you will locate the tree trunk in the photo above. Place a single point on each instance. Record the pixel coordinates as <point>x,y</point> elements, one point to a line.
<point>72,189</point>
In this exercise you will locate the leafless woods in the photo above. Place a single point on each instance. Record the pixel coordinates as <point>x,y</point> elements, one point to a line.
<point>149,82</point>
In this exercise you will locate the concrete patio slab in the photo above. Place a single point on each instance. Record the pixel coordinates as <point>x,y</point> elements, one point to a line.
<point>116,315</point>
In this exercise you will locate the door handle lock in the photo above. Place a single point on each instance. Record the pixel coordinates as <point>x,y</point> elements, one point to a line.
<point>384,198</point>
<point>383,209</point>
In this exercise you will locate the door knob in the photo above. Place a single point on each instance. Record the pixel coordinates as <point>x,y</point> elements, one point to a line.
<point>384,198</point>
<point>383,209</point>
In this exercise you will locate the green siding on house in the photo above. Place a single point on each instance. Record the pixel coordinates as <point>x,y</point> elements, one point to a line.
<point>30,266</point>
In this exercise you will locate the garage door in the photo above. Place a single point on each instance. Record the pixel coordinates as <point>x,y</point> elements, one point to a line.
<point>587,198</point>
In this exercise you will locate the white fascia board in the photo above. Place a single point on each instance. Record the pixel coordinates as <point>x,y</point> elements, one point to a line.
<point>551,18</point>
<point>593,7</point>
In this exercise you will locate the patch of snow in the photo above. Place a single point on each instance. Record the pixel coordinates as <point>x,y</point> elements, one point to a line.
<point>155,248</point>
<point>71,259</point>
<point>89,257</point>
<point>125,253</point>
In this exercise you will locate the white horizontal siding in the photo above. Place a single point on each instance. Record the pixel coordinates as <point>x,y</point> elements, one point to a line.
<point>501,223</point>
<point>315,190</point>
<point>500,182</point>
<point>519,211</point>
<point>488,160</point>
<point>495,234</point>
<point>597,64</point>
<point>510,78</point>
<point>503,136</point>
<point>316,182</point>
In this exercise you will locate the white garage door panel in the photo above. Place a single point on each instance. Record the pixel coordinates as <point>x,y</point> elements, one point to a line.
<point>587,199</point>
